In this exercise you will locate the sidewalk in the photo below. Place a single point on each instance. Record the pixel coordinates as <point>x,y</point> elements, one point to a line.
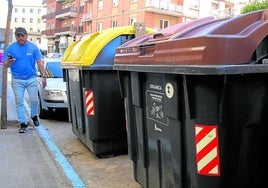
<point>25,162</point>
<point>26,159</point>
<point>41,158</point>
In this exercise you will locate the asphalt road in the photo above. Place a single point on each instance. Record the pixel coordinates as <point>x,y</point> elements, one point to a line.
<point>113,172</point>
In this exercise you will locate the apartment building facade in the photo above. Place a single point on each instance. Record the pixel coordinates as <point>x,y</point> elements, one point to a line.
<point>29,17</point>
<point>68,20</point>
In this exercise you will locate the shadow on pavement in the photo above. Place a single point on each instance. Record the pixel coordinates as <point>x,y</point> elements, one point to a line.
<point>58,115</point>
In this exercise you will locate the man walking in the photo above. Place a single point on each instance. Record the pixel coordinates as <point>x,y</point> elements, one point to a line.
<point>22,57</point>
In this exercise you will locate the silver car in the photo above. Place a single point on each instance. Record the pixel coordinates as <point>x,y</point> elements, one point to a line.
<point>53,97</point>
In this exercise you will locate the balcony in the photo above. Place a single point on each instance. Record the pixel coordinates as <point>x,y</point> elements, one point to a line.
<point>194,7</point>
<point>34,33</point>
<point>44,2</point>
<point>67,13</point>
<point>164,7</point>
<point>48,16</point>
<point>87,17</point>
<point>50,33</point>
<point>63,45</point>
<point>69,30</point>
<point>225,1</point>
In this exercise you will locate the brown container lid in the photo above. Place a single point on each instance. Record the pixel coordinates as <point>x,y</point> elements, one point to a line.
<point>221,46</point>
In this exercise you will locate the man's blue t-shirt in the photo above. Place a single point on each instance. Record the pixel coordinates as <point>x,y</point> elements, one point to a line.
<point>24,67</point>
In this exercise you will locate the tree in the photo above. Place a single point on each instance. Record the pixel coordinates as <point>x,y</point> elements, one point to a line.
<point>255,5</point>
<point>4,71</point>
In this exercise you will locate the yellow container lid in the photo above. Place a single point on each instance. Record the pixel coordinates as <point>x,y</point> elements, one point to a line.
<point>84,52</point>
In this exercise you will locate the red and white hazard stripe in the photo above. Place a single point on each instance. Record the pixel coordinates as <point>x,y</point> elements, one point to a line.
<point>89,103</point>
<point>207,150</point>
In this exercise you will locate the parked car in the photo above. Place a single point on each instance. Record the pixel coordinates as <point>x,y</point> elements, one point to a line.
<point>53,55</point>
<point>53,97</point>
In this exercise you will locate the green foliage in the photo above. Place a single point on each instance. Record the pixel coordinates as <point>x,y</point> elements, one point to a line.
<point>67,1</point>
<point>255,5</point>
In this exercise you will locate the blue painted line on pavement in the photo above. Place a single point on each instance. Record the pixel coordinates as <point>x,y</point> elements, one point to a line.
<point>60,158</point>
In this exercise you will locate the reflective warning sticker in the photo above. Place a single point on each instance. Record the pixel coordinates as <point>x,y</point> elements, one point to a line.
<point>207,150</point>
<point>89,103</point>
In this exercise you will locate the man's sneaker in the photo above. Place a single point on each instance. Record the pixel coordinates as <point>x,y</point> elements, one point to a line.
<point>35,121</point>
<point>23,128</point>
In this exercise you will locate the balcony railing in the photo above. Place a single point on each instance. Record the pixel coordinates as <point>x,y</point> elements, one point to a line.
<point>69,30</point>
<point>66,13</point>
<point>49,33</point>
<point>87,17</point>
<point>160,6</point>
<point>46,1</point>
<point>48,16</point>
<point>63,45</point>
<point>225,1</point>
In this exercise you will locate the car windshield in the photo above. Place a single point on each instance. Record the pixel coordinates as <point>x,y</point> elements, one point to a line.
<point>54,70</point>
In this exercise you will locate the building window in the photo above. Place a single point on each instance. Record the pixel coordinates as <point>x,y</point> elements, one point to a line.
<point>115,3</point>
<point>31,20</point>
<point>39,11</point>
<point>82,2</point>
<point>99,26</point>
<point>38,20</point>
<point>133,1</point>
<point>132,21</point>
<point>72,24</point>
<point>163,24</point>
<point>164,5</point>
<point>15,20</point>
<point>23,10</point>
<point>23,20</point>
<point>31,10</point>
<point>100,5</point>
<point>194,3</point>
<point>230,11</point>
<point>16,10</point>
<point>114,23</point>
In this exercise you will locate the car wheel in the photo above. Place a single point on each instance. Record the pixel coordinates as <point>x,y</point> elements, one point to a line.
<point>42,112</point>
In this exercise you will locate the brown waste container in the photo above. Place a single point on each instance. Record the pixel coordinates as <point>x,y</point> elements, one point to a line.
<point>196,97</point>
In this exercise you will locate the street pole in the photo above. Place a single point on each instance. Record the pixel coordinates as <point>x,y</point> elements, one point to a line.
<point>4,70</point>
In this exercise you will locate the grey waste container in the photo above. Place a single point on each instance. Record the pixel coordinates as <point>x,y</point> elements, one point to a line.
<point>95,104</point>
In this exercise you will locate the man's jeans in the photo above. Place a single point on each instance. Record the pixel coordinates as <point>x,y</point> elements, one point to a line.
<point>19,87</point>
